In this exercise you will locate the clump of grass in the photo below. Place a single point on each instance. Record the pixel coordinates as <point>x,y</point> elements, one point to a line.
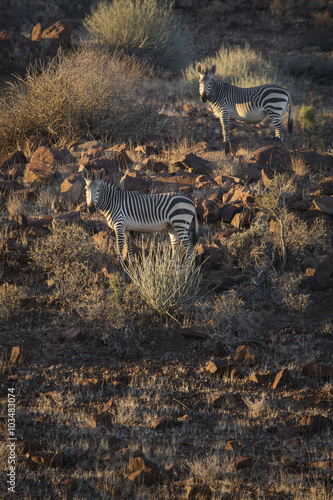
<point>149,29</point>
<point>169,286</point>
<point>11,297</point>
<point>307,117</point>
<point>87,92</point>
<point>240,66</point>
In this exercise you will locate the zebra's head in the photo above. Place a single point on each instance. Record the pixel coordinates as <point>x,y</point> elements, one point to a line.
<point>93,186</point>
<point>205,81</point>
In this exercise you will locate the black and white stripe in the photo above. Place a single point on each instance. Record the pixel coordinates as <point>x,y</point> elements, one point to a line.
<point>249,105</point>
<point>127,211</point>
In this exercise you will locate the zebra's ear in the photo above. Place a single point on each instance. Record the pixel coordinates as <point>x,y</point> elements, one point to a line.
<point>100,174</point>
<point>213,69</point>
<point>85,174</point>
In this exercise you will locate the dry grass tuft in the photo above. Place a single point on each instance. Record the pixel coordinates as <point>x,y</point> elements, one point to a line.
<point>149,29</point>
<point>86,92</point>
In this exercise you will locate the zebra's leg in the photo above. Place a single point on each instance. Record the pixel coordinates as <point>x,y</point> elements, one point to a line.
<point>180,236</point>
<point>129,247</point>
<point>120,239</point>
<point>276,120</point>
<point>225,124</point>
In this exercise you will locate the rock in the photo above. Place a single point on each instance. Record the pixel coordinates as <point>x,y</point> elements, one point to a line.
<point>232,446</point>
<point>119,155</point>
<point>238,194</point>
<point>139,463</point>
<point>315,423</point>
<point>163,422</point>
<point>92,149</point>
<point>198,492</point>
<point>191,163</point>
<point>43,459</point>
<point>60,31</point>
<point>318,370</point>
<point>283,380</point>
<point>74,334</point>
<point>320,278</point>
<point>18,221</point>
<point>169,184</point>
<point>72,188</point>
<point>145,477</point>
<point>211,211</point>
<point>243,219</point>
<point>155,166</point>
<point>227,213</point>
<point>262,378</point>
<point>243,462</point>
<point>227,400</point>
<point>90,384</point>
<point>39,171</point>
<point>220,365</point>
<point>16,355</point>
<point>323,204</point>
<point>135,181</point>
<point>244,356</point>
<point>194,332</point>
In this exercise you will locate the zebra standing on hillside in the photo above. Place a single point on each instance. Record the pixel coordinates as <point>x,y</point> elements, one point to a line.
<point>249,105</point>
<point>129,211</point>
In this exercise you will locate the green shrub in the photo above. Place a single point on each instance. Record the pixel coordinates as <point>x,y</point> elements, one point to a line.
<point>307,117</point>
<point>86,92</point>
<point>167,285</point>
<point>149,29</point>
<point>241,66</point>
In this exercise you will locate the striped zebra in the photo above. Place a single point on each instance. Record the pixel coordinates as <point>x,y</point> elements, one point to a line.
<point>127,211</point>
<point>249,105</point>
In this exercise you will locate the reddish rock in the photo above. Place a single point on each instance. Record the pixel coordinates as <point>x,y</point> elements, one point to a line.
<point>244,356</point>
<point>139,463</point>
<point>162,423</point>
<point>283,380</point>
<point>16,354</point>
<point>191,163</point>
<point>262,378</point>
<point>323,204</point>
<point>145,477</point>
<point>135,181</point>
<point>220,365</point>
<point>238,194</point>
<point>60,31</point>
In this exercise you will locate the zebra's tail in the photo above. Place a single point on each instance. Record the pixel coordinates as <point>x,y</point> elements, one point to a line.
<point>195,228</point>
<point>290,117</point>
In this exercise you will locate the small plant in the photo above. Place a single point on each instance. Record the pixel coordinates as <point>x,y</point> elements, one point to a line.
<point>149,29</point>
<point>307,118</point>
<point>167,285</point>
<point>11,297</point>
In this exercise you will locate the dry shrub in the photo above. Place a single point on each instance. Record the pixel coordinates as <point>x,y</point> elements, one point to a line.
<point>85,92</point>
<point>149,29</point>
<point>240,66</point>
<point>167,285</point>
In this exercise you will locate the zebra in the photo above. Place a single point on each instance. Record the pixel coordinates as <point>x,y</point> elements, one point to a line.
<point>127,211</point>
<point>249,105</point>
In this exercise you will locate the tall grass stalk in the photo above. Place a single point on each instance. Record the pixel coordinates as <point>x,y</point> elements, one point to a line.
<point>168,285</point>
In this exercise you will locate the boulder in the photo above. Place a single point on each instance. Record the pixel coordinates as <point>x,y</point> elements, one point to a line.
<point>190,163</point>
<point>72,188</point>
